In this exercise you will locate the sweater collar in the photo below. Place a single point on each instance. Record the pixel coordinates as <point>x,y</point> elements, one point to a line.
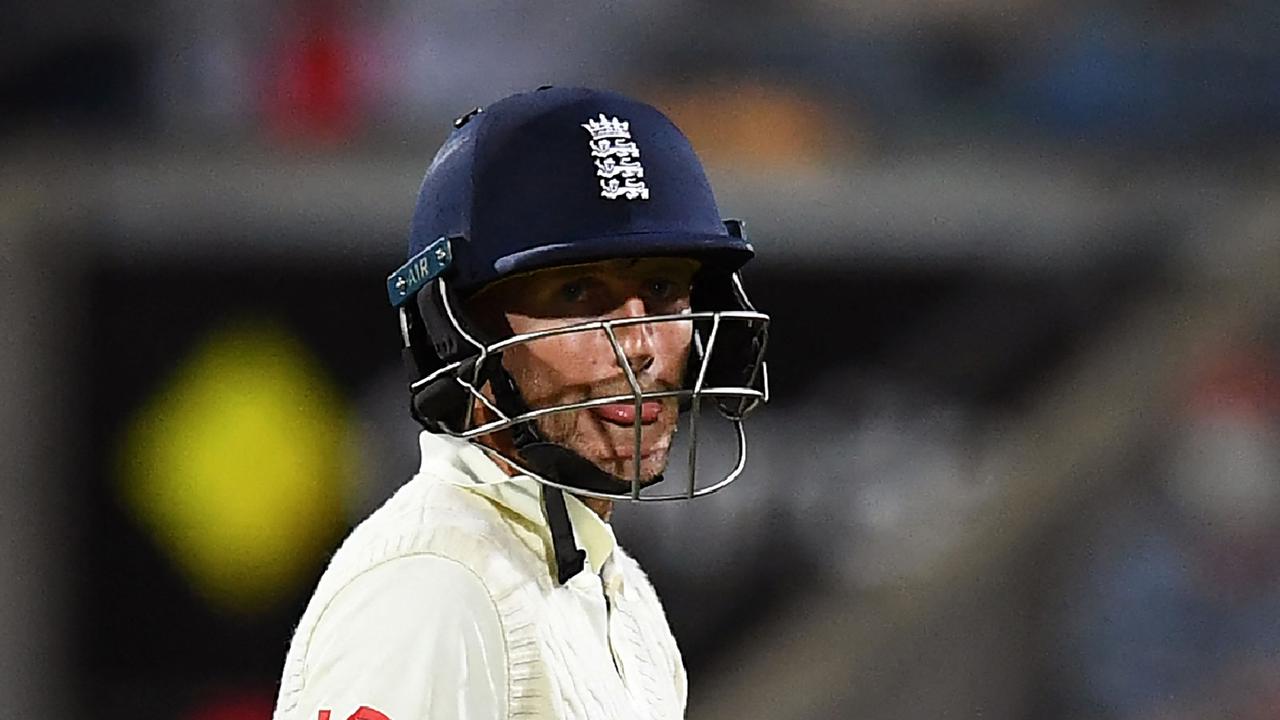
<point>519,494</point>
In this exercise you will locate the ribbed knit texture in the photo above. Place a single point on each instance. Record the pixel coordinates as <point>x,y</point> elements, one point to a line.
<point>570,653</point>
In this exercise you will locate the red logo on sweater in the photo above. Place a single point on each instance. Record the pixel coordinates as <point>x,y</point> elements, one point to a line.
<point>364,713</point>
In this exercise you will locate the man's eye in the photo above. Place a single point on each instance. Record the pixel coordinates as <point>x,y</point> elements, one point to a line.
<point>664,289</point>
<point>573,291</point>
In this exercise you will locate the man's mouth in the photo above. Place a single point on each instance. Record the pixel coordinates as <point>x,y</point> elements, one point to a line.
<point>625,413</point>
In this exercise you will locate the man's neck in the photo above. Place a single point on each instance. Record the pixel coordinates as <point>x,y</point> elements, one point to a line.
<point>600,506</point>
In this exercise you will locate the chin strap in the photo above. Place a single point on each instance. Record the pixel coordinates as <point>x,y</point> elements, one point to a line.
<point>570,559</point>
<point>559,463</point>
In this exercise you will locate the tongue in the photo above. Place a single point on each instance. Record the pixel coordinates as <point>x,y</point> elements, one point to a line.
<point>625,413</point>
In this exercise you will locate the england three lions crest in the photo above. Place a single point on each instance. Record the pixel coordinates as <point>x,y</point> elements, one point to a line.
<point>617,159</point>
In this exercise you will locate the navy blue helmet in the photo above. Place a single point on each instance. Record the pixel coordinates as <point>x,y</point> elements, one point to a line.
<point>564,176</point>
<point>548,178</point>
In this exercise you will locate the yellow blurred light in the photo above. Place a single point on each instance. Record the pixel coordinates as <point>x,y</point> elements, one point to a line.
<point>236,467</point>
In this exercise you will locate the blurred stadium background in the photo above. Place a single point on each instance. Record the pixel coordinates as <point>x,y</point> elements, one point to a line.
<point>1023,259</point>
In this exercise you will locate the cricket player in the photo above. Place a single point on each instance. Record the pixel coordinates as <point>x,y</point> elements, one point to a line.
<point>571,297</point>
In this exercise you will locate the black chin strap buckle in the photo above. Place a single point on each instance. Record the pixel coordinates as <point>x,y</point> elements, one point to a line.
<point>570,559</point>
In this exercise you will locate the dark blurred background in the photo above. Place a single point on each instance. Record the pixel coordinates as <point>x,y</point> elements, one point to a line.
<point>1022,256</point>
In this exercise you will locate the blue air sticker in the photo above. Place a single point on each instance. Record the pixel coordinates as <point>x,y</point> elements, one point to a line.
<point>420,270</point>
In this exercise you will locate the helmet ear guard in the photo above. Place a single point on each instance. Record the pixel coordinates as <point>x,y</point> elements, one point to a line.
<point>732,352</point>
<point>736,349</point>
<point>432,342</point>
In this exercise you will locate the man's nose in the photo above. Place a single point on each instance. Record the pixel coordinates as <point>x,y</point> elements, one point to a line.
<point>636,340</point>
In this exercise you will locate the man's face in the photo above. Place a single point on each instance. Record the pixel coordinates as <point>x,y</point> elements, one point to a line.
<point>577,366</point>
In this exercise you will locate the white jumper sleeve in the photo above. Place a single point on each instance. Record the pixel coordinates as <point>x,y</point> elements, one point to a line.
<point>414,638</point>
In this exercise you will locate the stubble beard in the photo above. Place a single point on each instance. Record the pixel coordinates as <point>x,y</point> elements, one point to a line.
<point>609,447</point>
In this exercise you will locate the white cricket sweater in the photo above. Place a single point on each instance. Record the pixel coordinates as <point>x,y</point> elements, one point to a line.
<point>443,604</point>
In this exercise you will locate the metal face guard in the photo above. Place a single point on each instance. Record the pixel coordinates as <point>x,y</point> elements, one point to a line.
<point>735,393</point>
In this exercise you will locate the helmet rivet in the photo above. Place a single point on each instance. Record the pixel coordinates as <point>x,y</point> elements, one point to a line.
<point>466,118</point>
<point>401,284</point>
<point>441,254</point>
